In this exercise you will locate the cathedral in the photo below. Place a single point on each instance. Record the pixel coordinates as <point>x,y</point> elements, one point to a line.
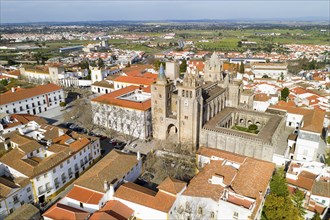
<point>202,111</point>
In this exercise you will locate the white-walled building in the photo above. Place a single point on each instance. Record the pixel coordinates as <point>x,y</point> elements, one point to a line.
<point>102,87</point>
<point>127,110</point>
<point>9,123</point>
<point>228,186</point>
<point>15,190</point>
<point>313,179</point>
<point>31,101</point>
<point>261,102</point>
<point>97,186</point>
<point>148,204</point>
<point>51,167</point>
<point>272,70</point>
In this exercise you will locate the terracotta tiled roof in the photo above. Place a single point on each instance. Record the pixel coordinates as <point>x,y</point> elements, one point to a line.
<point>111,168</point>
<point>253,177</point>
<point>171,185</point>
<point>262,97</point>
<point>321,188</point>
<point>113,210</point>
<point>209,152</point>
<point>14,72</point>
<point>24,212</point>
<point>240,201</point>
<point>25,118</point>
<point>199,64</point>
<point>60,212</point>
<point>244,175</point>
<point>305,180</point>
<point>112,99</point>
<point>314,122</point>
<point>104,84</point>
<point>140,195</point>
<point>27,93</point>
<point>79,144</point>
<point>135,80</point>
<point>85,195</point>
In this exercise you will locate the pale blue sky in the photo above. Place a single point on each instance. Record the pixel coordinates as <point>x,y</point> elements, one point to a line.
<point>13,11</point>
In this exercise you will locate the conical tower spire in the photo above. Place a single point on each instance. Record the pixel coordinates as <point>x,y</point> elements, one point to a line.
<point>161,74</point>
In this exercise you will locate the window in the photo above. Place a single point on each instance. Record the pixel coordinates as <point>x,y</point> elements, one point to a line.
<point>48,187</point>
<point>81,205</point>
<point>68,161</point>
<point>235,216</point>
<point>30,197</point>
<point>45,175</point>
<point>15,198</point>
<point>74,157</point>
<point>186,117</point>
<point>38,178</point>
<point>61,166</point>
<point>212,215</point>
<point>28,189</point>
<point>200,211</point>
<point>38,151</point>
<point>80,153</point>
<point>54,170</point>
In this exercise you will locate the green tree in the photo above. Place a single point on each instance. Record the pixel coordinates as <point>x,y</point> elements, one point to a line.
<point>298,200</point>
<point>285,94</point>
<point>157,64</point>
<point>278,184</point>
<point>316,216</point>
<point>279,207</point>
<point>183,66</point>
<point>100,63</point>
<point>4,82</point>
<point>62,104</point>
<point>241,67</point>
<point>253,127</point>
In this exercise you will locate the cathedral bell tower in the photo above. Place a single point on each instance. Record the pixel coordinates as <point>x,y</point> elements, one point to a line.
<point>213,69</point>
<point>190,104</point>
<point>161,97</point>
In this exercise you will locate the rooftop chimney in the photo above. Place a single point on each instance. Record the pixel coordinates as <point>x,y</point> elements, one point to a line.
<point>12,89</point>
<point>111,191</point>
<point>105,185</point>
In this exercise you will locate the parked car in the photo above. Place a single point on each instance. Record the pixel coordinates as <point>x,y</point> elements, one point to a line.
<point>120,145</point>
<point>113,141</point>
<point>91,133</point>
<point>125,151</point>
<point>68,124</point>
<point>80,130</point>
<point>73,126</point>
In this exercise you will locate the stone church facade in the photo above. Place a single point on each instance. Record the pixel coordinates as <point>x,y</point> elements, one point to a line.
<point>201,112</point>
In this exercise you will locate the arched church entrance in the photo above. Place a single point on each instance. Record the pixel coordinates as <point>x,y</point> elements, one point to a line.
<point>172,132</point>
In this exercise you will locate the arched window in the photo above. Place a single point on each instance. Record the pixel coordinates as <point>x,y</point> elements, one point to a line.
<point>200,211</point>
